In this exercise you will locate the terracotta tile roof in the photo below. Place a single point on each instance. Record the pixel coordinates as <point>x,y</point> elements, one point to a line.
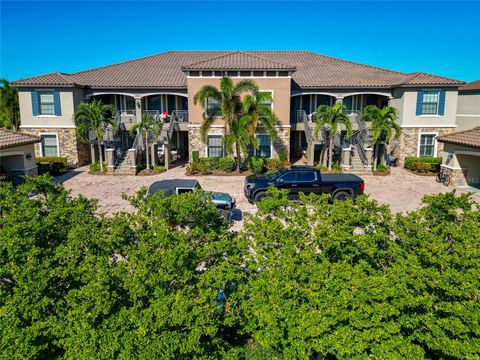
<point>421,78</point>
<point>164,70</point>
<point>52,79</point>
<point>238,60</point>
<point>471,86</point>
<point>10,139</point>
<point>470,138</point>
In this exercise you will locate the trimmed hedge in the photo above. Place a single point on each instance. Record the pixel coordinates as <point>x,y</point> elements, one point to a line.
<point>210,165</point>
<point>53,165</point>
<point>422,164</point>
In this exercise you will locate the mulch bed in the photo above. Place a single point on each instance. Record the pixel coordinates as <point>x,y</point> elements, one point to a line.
<point>222,173</point>
<point>422,174</point>
<point>150,172</point>
<point>385,173</point>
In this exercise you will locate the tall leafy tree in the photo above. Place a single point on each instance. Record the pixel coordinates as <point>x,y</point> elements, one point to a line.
<point>9,106</point>
<point>228,96</point>
<point>150,128</point>
<point>94,116</point>
<point>384,126</point>
<point>332,117</point>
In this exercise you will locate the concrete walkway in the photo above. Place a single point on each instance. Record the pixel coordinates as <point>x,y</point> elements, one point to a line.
<point>402,190</point>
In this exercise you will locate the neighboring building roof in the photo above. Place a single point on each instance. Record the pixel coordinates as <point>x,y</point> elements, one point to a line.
<point>471,86</point>
<point>165,70</point>
<point>470,138</point>
<point>238,60</point>
<point>10,139</point>
<point>52,79</point>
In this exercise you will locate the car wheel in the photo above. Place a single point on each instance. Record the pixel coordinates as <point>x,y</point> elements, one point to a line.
<point>341,195</point>
<point>260,196</point>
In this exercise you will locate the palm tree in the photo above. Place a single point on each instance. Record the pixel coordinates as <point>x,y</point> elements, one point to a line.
<point>384,124</point>
<point>228,96</point>
<point>95,116</point>
<point>240,135</point>
<point>9,106</point>
<point>147,126</point>
<point>258,110</point>
<point>332,117</point>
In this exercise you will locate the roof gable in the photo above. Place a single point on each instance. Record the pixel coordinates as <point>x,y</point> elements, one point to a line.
<point>238,60</point>
<point>10,139</point>
<point>469,138</point>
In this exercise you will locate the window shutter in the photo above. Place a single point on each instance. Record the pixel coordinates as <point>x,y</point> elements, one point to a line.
<point>441,103</point>
<point>419,102</point>
<point>35,110</point>
<point>56,100</point>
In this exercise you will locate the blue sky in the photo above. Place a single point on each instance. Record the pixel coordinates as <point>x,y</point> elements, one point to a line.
<point>436,37</point>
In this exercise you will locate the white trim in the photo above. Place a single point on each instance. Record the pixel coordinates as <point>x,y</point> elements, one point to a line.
<point>430,116</point>
<point>450,167</point>
<point>25,169</point>
<point>47,126</point>
<point>314,93</point>
<point>223,145</point>
<point>58,144</point>
<point>136,95</point>
<point>468,115</point>
<point>466,152</point>
<point>212,126</point>
<point>435,145</point>
<point>283,126</point>
<point>47,116</point>
<point>13,153</point>
<point>427,126</point>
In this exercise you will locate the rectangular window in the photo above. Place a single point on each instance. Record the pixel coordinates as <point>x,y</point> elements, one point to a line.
<point>267,102</point>
<point>232,73</point>
<point>46,103</point>
<point>430,102</point>
<point>427,145</point>
<point>49,145</point>
<point>264,146</point>
<point>206,73</point>
<point>212,105</point>
<point>283,73</point>
<point>245,73</point>
<point>214,146</point>
<point>258,73</point>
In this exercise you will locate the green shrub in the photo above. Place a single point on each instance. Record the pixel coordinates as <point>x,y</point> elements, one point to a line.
<point>198,167</point>
<point>422,164</point>
<point>336,168</point>
<point>322,168</point>
<point>276,164</point>
<point>282,155</point>
<point>159,168</point>
<point>195,155</point>
<point>96,166</point>
<point>255,165</point>
<point>382,168</point>
<point>53,165</point>
<point>226,164</point>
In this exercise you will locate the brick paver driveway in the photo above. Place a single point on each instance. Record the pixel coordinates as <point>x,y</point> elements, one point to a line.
<point>401,190</point>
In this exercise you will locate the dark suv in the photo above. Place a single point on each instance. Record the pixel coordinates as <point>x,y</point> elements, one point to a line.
<point>304,179</point>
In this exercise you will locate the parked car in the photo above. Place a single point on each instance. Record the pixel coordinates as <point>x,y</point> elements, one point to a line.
<point>304,179</point>
<point>224,202</point>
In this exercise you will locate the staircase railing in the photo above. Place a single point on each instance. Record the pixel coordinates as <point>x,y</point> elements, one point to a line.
<point>301,116</point>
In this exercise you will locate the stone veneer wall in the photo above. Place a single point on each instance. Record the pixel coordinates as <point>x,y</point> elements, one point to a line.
<point>77,153</point>
<point>408,141</point>
<point>195,142</point>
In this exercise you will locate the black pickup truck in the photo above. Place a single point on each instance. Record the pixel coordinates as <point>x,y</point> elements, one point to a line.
<point>304,179</point>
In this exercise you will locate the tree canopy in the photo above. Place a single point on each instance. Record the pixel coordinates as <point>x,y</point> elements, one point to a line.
<point>307,279</point>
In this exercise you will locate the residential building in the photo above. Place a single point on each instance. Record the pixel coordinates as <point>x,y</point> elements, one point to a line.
<point>461,156</point>
<point>17,154</point>
<point>299,82</point>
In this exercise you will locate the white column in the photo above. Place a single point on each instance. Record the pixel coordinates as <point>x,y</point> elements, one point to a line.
<point>138,109</point>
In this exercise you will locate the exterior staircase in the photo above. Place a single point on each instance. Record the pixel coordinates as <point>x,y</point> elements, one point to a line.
<point>122,165</point>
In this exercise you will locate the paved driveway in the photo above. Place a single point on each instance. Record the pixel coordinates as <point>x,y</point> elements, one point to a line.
<point>401,190</point>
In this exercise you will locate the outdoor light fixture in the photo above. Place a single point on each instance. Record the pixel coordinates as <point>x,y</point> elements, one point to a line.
<point>28,156</point>
<point>449,157</point>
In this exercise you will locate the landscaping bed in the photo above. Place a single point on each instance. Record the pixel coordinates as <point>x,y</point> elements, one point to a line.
<point>53,165</point>
<point>155,171</point>
<point>423,166</point>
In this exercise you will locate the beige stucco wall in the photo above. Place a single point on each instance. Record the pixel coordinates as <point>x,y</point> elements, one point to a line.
<point>405,100</point>
<point>14,158</point>
<point>69,99</point>
<point>468,110</point>
<point>279,86</point>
